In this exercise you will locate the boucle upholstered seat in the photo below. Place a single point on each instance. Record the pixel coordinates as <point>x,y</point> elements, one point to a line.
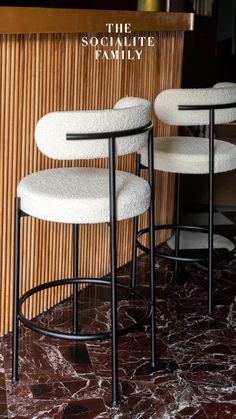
<point>190,155</point>
<point>88,195</point>
<point>81,195</point>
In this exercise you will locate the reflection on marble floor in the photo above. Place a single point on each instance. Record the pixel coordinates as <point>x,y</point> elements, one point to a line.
<point>196,368</point>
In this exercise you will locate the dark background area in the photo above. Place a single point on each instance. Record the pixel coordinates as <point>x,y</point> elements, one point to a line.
<point>209,53</point>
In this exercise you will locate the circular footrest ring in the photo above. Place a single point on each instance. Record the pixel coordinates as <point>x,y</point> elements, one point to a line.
<point>181,228</point>
<point>80,337</point>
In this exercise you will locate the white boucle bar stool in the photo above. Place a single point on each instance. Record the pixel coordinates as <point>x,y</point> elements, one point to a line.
<point>191,155</point>
<point>87,196</point>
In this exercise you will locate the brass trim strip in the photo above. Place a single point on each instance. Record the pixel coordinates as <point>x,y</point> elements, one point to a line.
<point>16,20</point>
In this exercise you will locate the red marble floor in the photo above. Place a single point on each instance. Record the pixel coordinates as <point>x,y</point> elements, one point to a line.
<point>196,370</point>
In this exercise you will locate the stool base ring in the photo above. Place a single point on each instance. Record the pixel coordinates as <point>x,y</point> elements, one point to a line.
<point>181,228</point>
<point>70,336</point>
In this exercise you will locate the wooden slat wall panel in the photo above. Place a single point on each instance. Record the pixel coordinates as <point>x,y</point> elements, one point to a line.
<point>45,72</point>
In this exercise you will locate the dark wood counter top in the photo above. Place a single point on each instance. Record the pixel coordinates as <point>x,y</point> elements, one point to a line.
<point>16,20</point>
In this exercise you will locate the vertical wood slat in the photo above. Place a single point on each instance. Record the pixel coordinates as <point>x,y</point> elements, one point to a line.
<point>45,72</point>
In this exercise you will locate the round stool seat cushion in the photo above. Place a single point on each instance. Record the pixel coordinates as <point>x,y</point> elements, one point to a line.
<point>190,155</point>
<point>81,195</point>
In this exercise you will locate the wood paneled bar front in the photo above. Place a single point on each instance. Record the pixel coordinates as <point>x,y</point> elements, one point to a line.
<point>44,66</point>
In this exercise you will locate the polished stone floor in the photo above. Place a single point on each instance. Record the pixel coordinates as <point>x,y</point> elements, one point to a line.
<point>196,374</point>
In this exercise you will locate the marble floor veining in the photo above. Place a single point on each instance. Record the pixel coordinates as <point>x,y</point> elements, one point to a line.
<point>196,373</point>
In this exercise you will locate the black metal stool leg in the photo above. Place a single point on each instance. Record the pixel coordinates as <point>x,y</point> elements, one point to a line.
<point>152,251</point>
<point>15,341</point>
<point>135,233</point>
<point>114,335</point>
<point>211,208</point>
<point>134,253</point>
<point>75,275</point>
<point>177,232</point>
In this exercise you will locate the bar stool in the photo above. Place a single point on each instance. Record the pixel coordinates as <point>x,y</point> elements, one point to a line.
<point>191,155</point>
<point>87,196</point>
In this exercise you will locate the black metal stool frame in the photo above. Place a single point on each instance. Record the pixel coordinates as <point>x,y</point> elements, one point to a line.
<point>178,227</point>
<point>114,332</point>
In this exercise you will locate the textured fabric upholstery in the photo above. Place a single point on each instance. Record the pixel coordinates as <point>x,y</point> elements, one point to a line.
<point>224,84</point>
<point>167,102</point>
<point>190,155</point>
<point>81,195</point>
<point>128,113</point>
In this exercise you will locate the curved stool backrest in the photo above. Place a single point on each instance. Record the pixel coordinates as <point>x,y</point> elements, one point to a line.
<point>129,113</point>
<point>167,105</point>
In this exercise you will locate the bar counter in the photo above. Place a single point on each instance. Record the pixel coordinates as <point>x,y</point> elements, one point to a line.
<point>46,67</point>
